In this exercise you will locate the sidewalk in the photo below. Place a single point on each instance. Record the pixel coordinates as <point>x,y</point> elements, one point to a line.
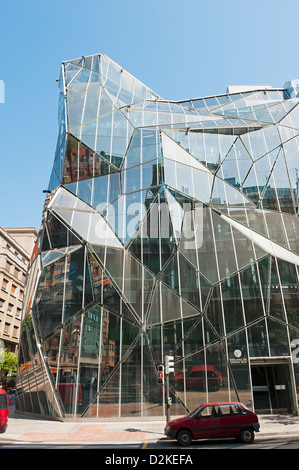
<point>25,430</point>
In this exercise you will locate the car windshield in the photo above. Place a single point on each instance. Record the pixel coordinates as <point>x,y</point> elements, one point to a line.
<point>194,412</point>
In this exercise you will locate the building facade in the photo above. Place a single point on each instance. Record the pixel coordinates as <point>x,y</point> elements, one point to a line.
<point>168,228</point>
<point>16,245</point>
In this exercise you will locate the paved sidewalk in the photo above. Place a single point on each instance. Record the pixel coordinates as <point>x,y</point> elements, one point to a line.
<point>25,430</point>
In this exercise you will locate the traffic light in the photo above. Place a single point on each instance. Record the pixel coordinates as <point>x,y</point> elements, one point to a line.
<point>169,364</point>
<point>160,374</point>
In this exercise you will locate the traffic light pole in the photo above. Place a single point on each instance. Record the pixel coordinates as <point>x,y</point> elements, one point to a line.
<point>169,369</point>
<point>167,399</point>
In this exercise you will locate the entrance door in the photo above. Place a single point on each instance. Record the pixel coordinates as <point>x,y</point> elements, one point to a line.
<point>272,391</point>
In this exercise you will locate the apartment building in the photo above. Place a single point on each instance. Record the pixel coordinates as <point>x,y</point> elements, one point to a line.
<point>16,245</point>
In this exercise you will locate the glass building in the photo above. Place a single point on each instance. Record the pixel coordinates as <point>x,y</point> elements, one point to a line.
<point>168,228</point>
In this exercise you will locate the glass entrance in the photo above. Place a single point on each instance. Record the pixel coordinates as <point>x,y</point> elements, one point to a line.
<point>272,390</point>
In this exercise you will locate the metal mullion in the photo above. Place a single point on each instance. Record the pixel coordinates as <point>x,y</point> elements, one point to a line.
<point>64,290</point>
<point>197,258</point>
<point>82,317</point>
<point>100,360</point>
<point>238,273</point>
<point>121,340</point>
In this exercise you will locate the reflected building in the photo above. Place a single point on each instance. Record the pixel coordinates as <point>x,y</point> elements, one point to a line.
<point>168,227</point>
<point>16,245</point>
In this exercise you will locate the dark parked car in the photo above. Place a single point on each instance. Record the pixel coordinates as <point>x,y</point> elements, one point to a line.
<point>215,420</point>
<point>4,409</point>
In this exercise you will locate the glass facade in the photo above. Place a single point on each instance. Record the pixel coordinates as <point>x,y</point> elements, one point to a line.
<point>168,227</point>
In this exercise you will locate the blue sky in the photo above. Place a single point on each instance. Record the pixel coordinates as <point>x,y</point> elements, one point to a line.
<point>180,49</point>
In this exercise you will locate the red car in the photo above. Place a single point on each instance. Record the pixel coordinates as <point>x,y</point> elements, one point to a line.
<point>215,420</point>
<point>4,404</point>
<point>196,378</point>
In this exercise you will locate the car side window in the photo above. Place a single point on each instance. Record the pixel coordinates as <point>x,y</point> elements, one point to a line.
<point>229,410</point>
<point>242,410</point>
<point>207,412</point>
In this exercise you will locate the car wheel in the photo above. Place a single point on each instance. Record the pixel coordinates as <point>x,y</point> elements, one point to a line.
<point>184,437</point>
<point>247,435</point>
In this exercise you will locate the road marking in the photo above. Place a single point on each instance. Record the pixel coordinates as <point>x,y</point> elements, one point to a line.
<point>144,445</point>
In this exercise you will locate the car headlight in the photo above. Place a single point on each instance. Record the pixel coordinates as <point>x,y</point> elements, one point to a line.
<point>168,428</point>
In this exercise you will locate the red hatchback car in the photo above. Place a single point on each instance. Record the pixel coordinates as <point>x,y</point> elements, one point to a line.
<point>215,420</point>
<point>196,377</point>
<point>4,405</point>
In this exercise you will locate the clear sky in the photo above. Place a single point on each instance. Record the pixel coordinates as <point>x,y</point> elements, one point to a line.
<point>180,49</point>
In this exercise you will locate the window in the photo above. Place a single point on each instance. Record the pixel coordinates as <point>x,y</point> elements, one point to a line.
<point>6,328</point>
<point>13,289</point>
<point>228,410</point>
<point>15,331</point>
<point>207,412</point>
<point>10,309</point>
<point>4,284</point>
<point>8,266</point>
<point>2,301</point>
<point>243,411</point>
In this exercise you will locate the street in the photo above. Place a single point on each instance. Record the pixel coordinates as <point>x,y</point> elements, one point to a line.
<point>268,443</point>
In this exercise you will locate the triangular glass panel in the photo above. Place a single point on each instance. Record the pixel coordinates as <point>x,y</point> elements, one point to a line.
<point>170,274</point>
<point>260,142</point>
<point>59,234</point>
<point>82,163</point>
<point>224,196</point>
<point>193,336</point>
<point>54,255</point>
<point>138,284</point>
<point>71,69</point>
<point>176,214</point>
<point>208,147</point>
<point>155,243</point>
<point>232,304</point>
<point>112,143</point>
<point>214,313</point>
<point>154,311</point>
<point>278,338</point>
<point>172,151</point>
<point>49,298</point>
<point>251,293</point>
<point>224,247</point>
<point>45,244</point>
<point>289,284</point>
<point>144,147</point>
<point>131,371</point>
<point>189,282</point>
<point>74,278</point>
<point>283,186</point>
<point>190,181</point>
<point>236,165</point>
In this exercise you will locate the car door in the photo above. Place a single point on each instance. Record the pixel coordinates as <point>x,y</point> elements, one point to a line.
<point>206,423</point>
<point>230,420</point>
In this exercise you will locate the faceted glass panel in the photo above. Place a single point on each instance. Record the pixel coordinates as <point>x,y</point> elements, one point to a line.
<point>168,228</point>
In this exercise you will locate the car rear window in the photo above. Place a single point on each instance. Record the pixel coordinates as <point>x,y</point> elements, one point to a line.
<point>3,402</point>
<point>229,410</point>
<point>243,411</point>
